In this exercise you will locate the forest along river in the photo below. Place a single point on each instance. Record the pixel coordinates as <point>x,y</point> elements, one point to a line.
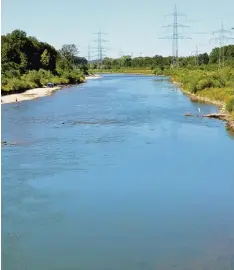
<point>111,175</point>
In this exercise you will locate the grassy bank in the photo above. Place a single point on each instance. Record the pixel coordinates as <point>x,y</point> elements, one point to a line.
<point>209,86</point>
<point>36,79</point>
<point>216,86</point>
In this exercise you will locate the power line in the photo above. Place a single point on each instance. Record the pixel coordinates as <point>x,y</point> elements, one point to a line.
<point>175,36</point>
<point>121,53</point>
<point>89,54</point>
<point>196,54</point>
<point>100,49</point>
<point>221,40</point>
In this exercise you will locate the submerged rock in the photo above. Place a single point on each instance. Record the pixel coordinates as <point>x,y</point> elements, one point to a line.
<point>8,143</point>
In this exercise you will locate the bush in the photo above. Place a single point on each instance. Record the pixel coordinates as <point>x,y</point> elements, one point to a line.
<point>16,84</point>
<point>204,83</point>
<point>157,71</point>
<point>230,105</point>
<point>193,87</point>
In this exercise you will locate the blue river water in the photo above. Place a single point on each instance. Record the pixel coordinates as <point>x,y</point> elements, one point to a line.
<point>110,175</point>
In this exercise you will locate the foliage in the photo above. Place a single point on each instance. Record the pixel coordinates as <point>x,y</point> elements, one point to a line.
<point>215,85</point>
<point>230,105</point>
<point>202,61</point>
<point>33,79</point>
<point>69,51</point>
<point>45,58</point>
<point>28,63</point>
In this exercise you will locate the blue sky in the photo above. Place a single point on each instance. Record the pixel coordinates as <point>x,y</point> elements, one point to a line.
<point>132,26</point>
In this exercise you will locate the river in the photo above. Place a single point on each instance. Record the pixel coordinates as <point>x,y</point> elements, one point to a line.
<point>110,175</point>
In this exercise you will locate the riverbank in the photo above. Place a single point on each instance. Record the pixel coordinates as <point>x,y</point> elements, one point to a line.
<point>228,117</point>
<point>37,92</point>
<point>92,77</point>
<point>29,94</point>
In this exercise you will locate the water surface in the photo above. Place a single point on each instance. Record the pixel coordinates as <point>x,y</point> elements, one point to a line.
<point>111,175</point>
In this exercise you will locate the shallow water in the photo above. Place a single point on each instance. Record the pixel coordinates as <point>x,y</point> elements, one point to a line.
<point>111,175</point>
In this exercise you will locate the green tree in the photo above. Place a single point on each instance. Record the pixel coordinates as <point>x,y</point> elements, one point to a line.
<point>45,58</point>
<point>203,59</point>
<point>125,61</point>
<point>23,61</point>
<point>69,51</point>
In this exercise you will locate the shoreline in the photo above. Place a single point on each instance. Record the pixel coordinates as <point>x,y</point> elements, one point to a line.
<point>37,92</point>
<point>92,77</point>
<point>47,91</point>
<point>219,104</point>
<point>29,94</point>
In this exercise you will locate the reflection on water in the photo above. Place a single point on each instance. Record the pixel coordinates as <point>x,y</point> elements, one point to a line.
<point>112,175</point>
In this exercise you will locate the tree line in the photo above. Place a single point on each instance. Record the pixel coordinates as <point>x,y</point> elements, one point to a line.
<point>160,62</point>
<point>28,62</point>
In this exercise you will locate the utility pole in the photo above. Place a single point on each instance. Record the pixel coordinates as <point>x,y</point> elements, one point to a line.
<point>175,36</point>
<point>196,54</point>
<point>221,40</point>
<point>100,49</point>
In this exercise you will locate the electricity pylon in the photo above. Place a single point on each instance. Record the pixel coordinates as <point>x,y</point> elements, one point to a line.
<point>221,40</point>
<point>175,36</point>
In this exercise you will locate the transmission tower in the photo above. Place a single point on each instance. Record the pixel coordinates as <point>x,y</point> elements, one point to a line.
<point>121,53</point>
<point>175,36</point>
<point>89,54</point>
<point>221,40</point>
<point>196,54</point>
<point>100,49</point>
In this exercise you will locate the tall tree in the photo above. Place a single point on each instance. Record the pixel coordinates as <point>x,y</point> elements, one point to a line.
<point>69,51</point>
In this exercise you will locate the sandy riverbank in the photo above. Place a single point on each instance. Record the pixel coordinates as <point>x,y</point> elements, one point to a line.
<point>29,94</point>
<point>36,92</point>
<point>92,77</point>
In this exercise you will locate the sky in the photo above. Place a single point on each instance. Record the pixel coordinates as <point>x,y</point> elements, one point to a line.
<point>131,26</point>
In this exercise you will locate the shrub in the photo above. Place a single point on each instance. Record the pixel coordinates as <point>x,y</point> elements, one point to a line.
<point>157,71</point>
<point>230,105</point>
<point>204,83</point>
